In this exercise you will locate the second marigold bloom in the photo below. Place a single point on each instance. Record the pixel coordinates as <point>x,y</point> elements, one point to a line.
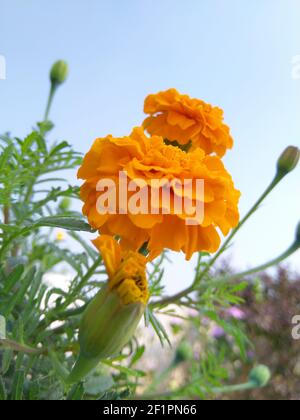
<point>180,118</point>
<point>147,160</point>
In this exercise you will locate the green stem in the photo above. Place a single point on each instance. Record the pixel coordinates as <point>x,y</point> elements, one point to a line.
<point>172,299</point>
<point>83,281</point>
<point>6,215</point>
<point>50,99</point>
<point>234,388</point>
<point>272,263</point>
<point>253,209</point>
<point>12,345</point>
<point>11,239</point>
<point>222,390</point>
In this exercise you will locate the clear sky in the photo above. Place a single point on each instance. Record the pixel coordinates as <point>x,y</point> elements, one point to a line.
<point>236,54</point>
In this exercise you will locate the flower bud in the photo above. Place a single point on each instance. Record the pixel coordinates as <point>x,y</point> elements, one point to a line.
<point>59,72</point>
<point>298,235</point>
<point>184,352</point>
<point>260,376</point>
<point>288,160</point>
<point>106,327</point>
<point>112,317</point>
<point>65,204</point>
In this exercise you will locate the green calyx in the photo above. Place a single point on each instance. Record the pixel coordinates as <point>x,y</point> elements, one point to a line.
<point>106,327</point>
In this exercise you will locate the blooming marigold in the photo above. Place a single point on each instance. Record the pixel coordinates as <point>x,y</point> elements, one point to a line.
<point>180,118</point>
<point>112,317</point>
<point>146,160</point>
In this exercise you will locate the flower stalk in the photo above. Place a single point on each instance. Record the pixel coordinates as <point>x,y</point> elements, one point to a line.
<point>58,75</point>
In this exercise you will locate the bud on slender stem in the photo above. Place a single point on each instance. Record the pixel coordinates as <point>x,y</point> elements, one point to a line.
<point>59,72</point>
<point>58,75</point>
<point>260,376</point>
<point>288,161</point>
<point>298,235</point>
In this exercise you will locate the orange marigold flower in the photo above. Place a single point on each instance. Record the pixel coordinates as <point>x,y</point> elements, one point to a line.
<point>147,160</point>
<point>180,118</point>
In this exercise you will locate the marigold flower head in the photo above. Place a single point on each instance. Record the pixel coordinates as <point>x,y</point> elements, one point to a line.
<point>147,160</point>
<point>179,118</point>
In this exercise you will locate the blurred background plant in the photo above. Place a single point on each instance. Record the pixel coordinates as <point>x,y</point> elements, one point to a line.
<point>219,328</point>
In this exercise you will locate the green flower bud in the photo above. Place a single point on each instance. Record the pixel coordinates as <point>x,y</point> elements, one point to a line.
<point>183,352</point>
<point>106,327</point>
<point>298,235</point>
<point>65,204</point>
<point>59,72</point>
<point>288,160</point>
<point>260,376</point>
<point>112,317</point>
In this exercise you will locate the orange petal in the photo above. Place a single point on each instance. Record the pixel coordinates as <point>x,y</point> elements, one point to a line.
<point>110,251</point>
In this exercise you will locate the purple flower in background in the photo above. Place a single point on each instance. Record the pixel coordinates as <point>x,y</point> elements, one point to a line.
<point>217,332</point>
<point>236,313</point>
<point>251,355</point>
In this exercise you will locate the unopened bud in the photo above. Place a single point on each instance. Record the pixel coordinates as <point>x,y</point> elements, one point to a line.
<point>184,352</point>
<point>288,160</point>
<point>110,320</point>
<point>260,376</point>
<point>106,327</point>
<point>65,204</point>
<point>298,235</point>
<point>59,72</point>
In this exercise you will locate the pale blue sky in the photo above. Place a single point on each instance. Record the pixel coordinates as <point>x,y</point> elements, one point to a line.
<point>233,53</point>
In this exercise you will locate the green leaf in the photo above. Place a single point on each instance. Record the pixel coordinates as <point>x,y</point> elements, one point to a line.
<point>5,155</point>
<point>3,394</point>
<point>68,223</point>
<point>137,355</point>
<point>89,250</point>
<point>98,385</point>
<point>76,393</point>
<point>58,367</point>
<point>34,137</point>
<point>158,328</point>
<point>2,327</point>
<point>17,386</point>
<point>19,296</point>
<point>126,370</point>
<point>59,147</point>
<point>13,278</point>
<point>45,126</point>
<point>7,357</point>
